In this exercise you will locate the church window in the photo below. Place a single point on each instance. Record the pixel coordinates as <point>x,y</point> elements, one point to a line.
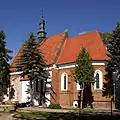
<point>98,80</point>
<point>64,82</point>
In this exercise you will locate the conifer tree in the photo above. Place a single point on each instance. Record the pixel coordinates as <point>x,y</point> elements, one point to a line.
<point>31,62</point>
<point>106,36</point>
<point>4,66</point>
<point>84,71</point>
<point>113,65</point>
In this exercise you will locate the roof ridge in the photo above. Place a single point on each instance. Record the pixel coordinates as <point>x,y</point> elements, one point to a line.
<point>84,34</point>
<point>49,37</point>
<point>59,46</point>
<point>55,34</point>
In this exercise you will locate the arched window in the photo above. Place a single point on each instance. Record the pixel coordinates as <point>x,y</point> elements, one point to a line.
<point>98,80</point>
<point>64,81</point>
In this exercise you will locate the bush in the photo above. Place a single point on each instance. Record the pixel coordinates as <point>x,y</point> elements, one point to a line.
<point>54,106</point>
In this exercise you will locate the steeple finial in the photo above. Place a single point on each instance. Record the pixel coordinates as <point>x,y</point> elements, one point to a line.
<point>42,33</point>
<point>42,12</point>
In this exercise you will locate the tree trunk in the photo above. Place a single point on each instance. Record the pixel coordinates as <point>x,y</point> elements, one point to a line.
<point>41,92</point>
<point>44,99</point>
<point>81,103</point>
<point>31,90</point>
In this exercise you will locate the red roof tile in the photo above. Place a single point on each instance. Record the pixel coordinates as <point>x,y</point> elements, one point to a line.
<point>25,78</point>
<point>14,62</point>
<point>91,41</point>
<point>60,49</point>
<point>48,47</point>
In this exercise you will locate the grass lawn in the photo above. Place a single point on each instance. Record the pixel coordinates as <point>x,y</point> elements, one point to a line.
<point>38,115</point>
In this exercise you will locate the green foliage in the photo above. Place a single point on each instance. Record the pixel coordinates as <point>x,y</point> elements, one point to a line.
<point>106,37</point>
<point>113,64</point>
<point>108,85</point>
<point>84,76</point>
<point>54,106</point>
<point>4,66</point>
<point>84,71</point>
<point>31,61</point>
<point>84,115</point>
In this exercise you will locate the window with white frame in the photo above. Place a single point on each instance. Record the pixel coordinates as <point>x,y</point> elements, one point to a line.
<point>98,80</point>
<point>64,82</point>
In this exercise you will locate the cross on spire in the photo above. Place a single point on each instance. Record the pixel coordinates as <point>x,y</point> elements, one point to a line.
<point>42,33</point>
<point>42,12</point>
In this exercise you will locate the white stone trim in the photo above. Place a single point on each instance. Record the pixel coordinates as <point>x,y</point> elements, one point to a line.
<point>24,88</point>
<point>48,86</point>
<point>72,65</point>
<point>16,73</point>
<point>66,66</point>
<point>50,77</point>
<point>100,80</point>
<point>62,81</point>
<point>98,63</point>
<point>50,68</point>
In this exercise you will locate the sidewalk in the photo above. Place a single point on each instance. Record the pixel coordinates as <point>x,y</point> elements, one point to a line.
<point>86,111</point>
<point>6,116</point>
<point>45,109</point>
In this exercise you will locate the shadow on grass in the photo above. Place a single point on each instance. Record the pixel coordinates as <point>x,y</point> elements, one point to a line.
<point>64,116</point>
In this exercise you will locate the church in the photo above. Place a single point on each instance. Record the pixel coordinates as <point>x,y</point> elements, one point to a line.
<point>60,52</point>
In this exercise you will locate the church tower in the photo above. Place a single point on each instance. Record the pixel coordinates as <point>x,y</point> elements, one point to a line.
<point>42,34</point>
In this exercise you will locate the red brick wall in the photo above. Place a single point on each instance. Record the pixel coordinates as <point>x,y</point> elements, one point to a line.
<point>66,98</point>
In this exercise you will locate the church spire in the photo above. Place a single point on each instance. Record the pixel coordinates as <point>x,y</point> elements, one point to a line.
<point>42,33</point>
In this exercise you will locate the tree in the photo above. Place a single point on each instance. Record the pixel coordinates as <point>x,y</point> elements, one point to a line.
<point>84,71</point>
<point>106,37</point>
<point>4,66</point>
<point>113,65</point>
<point>32,64</point>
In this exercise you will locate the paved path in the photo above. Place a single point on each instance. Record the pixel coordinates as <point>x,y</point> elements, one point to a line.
<point>100,111</point>
<point>6,116</point>
<point>45,109</point>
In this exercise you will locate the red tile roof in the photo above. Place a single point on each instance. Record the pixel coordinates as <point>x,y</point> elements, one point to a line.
<point>91,41</point>
<point>25,78</point>
<point>60,49</point>
<point>15,61</point>
<point>48,47</point>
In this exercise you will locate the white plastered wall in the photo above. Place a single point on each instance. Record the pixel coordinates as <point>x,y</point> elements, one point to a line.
<point>24,91</point>
<point>48,86</point>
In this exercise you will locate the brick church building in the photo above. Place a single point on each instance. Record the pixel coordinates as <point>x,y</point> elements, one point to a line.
<point>60,52</point>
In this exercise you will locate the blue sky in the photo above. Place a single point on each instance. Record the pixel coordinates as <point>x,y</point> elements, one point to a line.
<point>18,17</point>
